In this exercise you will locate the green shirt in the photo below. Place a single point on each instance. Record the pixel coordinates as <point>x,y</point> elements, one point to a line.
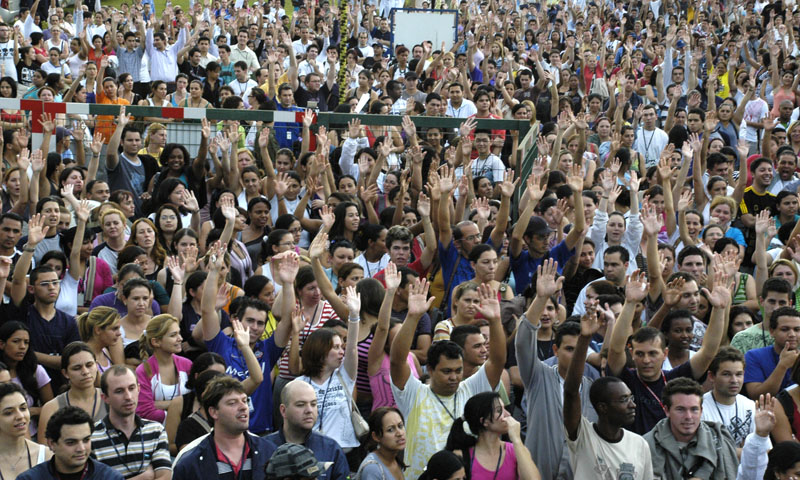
<point>753,337</point>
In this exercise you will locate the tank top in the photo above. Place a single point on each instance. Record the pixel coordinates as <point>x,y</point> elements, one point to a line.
<point>507,470</point>
<point>98,413</point>
<point>741,290</point>
<point>381,385</point>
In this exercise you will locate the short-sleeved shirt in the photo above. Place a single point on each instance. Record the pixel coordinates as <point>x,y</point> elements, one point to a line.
<point>753,202</point>
<point>591,456</point>
<point>429,416</point>
<point>524,266</point>
<point>105,123</point>
<point>129,176</point>
<point>333,408</point>
<point>450,258</point>
<point>268,355</point>
<point>759,364</point>
<point>647,395</point>
<point>738,418</point>
<point>147,446</point>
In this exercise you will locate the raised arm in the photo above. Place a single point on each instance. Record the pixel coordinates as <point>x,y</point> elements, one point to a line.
<point>315,251</point>
<point>572,383</point>
<point>535,192</point>
<point>720,299</point>
<point>37,231</point>
<point>446,186</point>
<point>209,318</point>
<point>381,336</point>
<point>490,309</point>
<point>418,305</point>
<point>255,376</point>
<point>353,300</point>
<point>635,292</point>
<point>112,157</point>
<point>76,266</point>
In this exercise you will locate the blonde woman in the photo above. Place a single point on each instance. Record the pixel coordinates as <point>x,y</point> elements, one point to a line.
<point>163,374</point>
<point>155,140</point>
<point>100,329</point>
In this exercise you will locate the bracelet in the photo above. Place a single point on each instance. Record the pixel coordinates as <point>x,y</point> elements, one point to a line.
<point>354,319</point>
<point>28,248</point>
<point>177,284</point>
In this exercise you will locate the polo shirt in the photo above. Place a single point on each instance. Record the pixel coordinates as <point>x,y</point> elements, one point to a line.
<point>759,364</point>
<point>148,445</point>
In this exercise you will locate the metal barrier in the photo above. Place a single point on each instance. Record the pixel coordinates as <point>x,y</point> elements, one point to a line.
<point>186,127</point>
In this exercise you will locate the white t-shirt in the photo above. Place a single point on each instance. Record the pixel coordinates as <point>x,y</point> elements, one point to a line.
<point>650,143</point>
<point>738,418</point>
<point>592,457</point>
<point>754,112</point>
<point>67,300</point>
<point>7,59</point>
<point>429,417</point>
<point>333,408</point>
<point>371,268</point>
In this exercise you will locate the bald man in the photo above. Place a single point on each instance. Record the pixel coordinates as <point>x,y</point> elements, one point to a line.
<point>299,411</point>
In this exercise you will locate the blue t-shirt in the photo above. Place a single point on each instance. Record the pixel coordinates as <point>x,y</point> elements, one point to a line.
<point>524,266</point>
<point>759,364</point>
<point>449,258</point>
<point>737,235</point>
<point>268,355</point>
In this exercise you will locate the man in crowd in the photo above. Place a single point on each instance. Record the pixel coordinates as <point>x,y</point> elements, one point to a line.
<point>123,427</point>
<point>682,445</point>
<point>69,436</point>
<point>724,404</point>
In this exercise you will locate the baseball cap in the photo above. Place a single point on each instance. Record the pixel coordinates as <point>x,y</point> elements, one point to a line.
<point>62,132</point>
<point>291,459</point>
<point>538,226</point>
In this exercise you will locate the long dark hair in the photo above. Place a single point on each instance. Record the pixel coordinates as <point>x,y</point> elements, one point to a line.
<point>337,229</point>
<point>478,408</point>
<point>782,457</point>
<point>25,368</point>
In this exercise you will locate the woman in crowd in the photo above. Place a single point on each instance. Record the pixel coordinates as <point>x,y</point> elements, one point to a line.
<point>259,221</point>
<point>168,221</point>
<point>112,222</point>
<point>330,366</point>
<point>78,365</point>
<point>476,438</point>
<point>385,441</point>
<point>137,295</point>
<point>25,371</point>
<point>19,452</point>
<point>163,374</point>
<point>100,329</point>
<point>464,308</point>
<point>143,234</point>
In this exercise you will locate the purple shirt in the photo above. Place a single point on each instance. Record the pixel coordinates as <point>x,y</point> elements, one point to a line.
<point>110,300</point>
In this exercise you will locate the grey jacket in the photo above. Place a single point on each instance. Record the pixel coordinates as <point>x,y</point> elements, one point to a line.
<point>543,394</point>
<point>711,454</point>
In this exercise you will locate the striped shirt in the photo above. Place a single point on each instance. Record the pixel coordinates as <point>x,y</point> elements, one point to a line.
<point>326,314</point>
<point>148,446</point>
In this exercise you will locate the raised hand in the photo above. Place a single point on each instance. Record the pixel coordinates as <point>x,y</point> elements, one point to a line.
<point>590,322</point>
<point>352,299</point>
<point>467,127</point>
<point>67,190</point>
<point>765,415</point>
<point>418,301</point>
<point>48,123</point>
<point>636,288</point>
<point>686,199</point>
<point>575,178</point>
<point>122,118</point>
<point>408,126</point>
<point>535,188</point>
<point>205,129</point>
<point>354,128</point>
<point>190,201</point>
<point>228,209</point>
<point>318,246</point>
<point>651,221</point>
<point>482,207</point>
<point>23,160</point>
<point>288,267</point>
<point>762,222</point>
<point>37,230</point>
<point>392,277</point>
<point>548,280</point>
<point>83,211</point>
<point>672,292</point>
<point>447,179</point>
<point>490,305</point>
<point>281,184</point>
<point>175,268</point>
<point>5,266</point>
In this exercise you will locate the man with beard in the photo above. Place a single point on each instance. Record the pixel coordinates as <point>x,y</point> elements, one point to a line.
<point>123,427</point>
<point>724,403</point>
<point>299,412</point>
<point>768,369</point>
<point>50,329</point>
<point>776,293</point>
<point>10,233</point>
<point>648,348</point>
<point>229,451</point>
<point>605,443</point>
<point>684,446</point>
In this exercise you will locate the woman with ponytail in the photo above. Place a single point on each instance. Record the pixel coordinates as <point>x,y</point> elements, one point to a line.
<point>444,465</point>
<point>385,442</point>
<point>163,374</point>
<point>100,329</point>
<point>476,438</point>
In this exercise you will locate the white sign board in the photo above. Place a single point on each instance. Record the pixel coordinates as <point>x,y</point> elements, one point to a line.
<point>412,26</point>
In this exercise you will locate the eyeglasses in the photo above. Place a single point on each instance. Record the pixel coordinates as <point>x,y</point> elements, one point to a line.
<point>624,400</point>
<point>48,283</point>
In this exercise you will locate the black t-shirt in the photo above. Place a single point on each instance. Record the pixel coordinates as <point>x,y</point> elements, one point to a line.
<point>647,395</point>
<point>25,73</point>
<point>190,319</point>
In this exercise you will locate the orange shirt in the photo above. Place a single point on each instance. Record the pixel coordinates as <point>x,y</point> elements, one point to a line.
<point>105,123</point>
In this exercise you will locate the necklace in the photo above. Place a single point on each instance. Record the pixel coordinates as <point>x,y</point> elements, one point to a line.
<point>721,418</point>
<point>647,144</point>
<point>499,460</point>
<point>14,466</point>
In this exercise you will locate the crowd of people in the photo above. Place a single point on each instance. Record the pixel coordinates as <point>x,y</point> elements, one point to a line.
<point>389,301</point>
